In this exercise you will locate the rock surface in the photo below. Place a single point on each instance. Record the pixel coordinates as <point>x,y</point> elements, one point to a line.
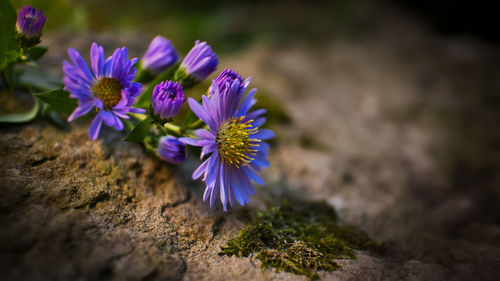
<point>397,130</point>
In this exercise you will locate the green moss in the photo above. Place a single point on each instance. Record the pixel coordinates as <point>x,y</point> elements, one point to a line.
<point>300,237</point>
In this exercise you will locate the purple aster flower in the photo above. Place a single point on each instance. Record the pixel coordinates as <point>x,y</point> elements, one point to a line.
<point>167,100</point>
<point>107,86</point>
<point>160,55</point>
<point>172,150</point>
<point>29,25</point>
<point>200,62</point>
<point>234,142</point>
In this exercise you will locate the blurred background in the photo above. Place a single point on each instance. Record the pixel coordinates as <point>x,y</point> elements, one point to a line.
<point>230,25</point>
<point>388,110</point>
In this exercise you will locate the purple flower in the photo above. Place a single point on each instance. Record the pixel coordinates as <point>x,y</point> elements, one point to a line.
<point>234,142</point>
<point>200,62</point>
<point>107,86</point>
<point>172,150</point>
<point>160,55</point>
<point>167,100</point>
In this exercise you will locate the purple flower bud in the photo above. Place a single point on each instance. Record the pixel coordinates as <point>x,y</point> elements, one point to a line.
<point>226,79</point>
<point>160,55</point>
<point>167,99</point>
<point>30,22</point>
<point>200,62</point>
<point>172,150</point>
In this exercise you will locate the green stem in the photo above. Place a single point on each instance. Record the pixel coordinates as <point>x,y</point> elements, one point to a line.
<point>174,128</point>
<point>161,129</point>
<point>149,147</point>
<point>196,124</point>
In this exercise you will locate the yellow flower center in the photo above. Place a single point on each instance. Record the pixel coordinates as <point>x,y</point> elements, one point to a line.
<point>234,144</point>
<point>108,90</point>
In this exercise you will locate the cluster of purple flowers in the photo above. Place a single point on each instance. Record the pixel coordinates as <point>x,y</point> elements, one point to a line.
<point>232,143</point>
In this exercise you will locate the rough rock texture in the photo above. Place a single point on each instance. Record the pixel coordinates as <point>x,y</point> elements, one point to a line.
<point>398,130</point>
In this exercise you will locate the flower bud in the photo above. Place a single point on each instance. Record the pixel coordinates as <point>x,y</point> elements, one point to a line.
<point>160,55</point>
<point>226,79</point>
<point>171,150</point>
<point>200,62</point>
<point>29,26</point>
<point>166,101</point>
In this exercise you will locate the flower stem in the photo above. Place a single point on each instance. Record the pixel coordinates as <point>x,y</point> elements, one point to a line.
<point>196,124</point>
<point>173,128</point>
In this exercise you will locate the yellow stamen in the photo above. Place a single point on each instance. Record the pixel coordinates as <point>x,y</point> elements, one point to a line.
<point>234,143</point>
<point>108,90</point>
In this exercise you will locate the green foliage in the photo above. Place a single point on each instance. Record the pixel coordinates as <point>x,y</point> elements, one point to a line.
<point>21,117</point>
<point>35,53</point>
<point>38,80</point>
<point>59,100</point>
<point>9,47</point>
<point>139,132</point>
<point>300,237</point>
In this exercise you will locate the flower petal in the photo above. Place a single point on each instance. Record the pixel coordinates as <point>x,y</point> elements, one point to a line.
<point>263,134</point>
<point>204,134</point>
<point>200,170</point>
<point>81,110</point>
<point>97,59</point>
<point>95,127</point>
<point>252,175</point>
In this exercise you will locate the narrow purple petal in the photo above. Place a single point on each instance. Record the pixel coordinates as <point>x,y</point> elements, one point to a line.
<point>204,134</point>
<point>252,175</point>
<point>215,189</point>
<point>82,68</point>
<point>208,149</point>
<point>97,59</point>
<point>213,166</point>
<point>247,102</point>
<point>95,127</point>
<point>198,110</point>
<point>263,134</point>
<point>223,189</point>
<point>81,110</point>
<point>195,142</point>
<point>200,170</point>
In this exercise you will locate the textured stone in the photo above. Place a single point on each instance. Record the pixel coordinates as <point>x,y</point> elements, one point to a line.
<point>400,136</point>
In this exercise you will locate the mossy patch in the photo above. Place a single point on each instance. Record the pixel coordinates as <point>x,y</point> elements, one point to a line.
<point>300,237</point>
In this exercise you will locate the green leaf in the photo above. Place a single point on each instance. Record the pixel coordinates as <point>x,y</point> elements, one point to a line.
<point>11,77</point>
<point>59,100</point>
<point>34,53</point>
<point>8,43</point>
<point>139,132</point>
<point>145,99</point>
<point>190,118</point>
<point>39,80</point>
<point>21,117</point>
